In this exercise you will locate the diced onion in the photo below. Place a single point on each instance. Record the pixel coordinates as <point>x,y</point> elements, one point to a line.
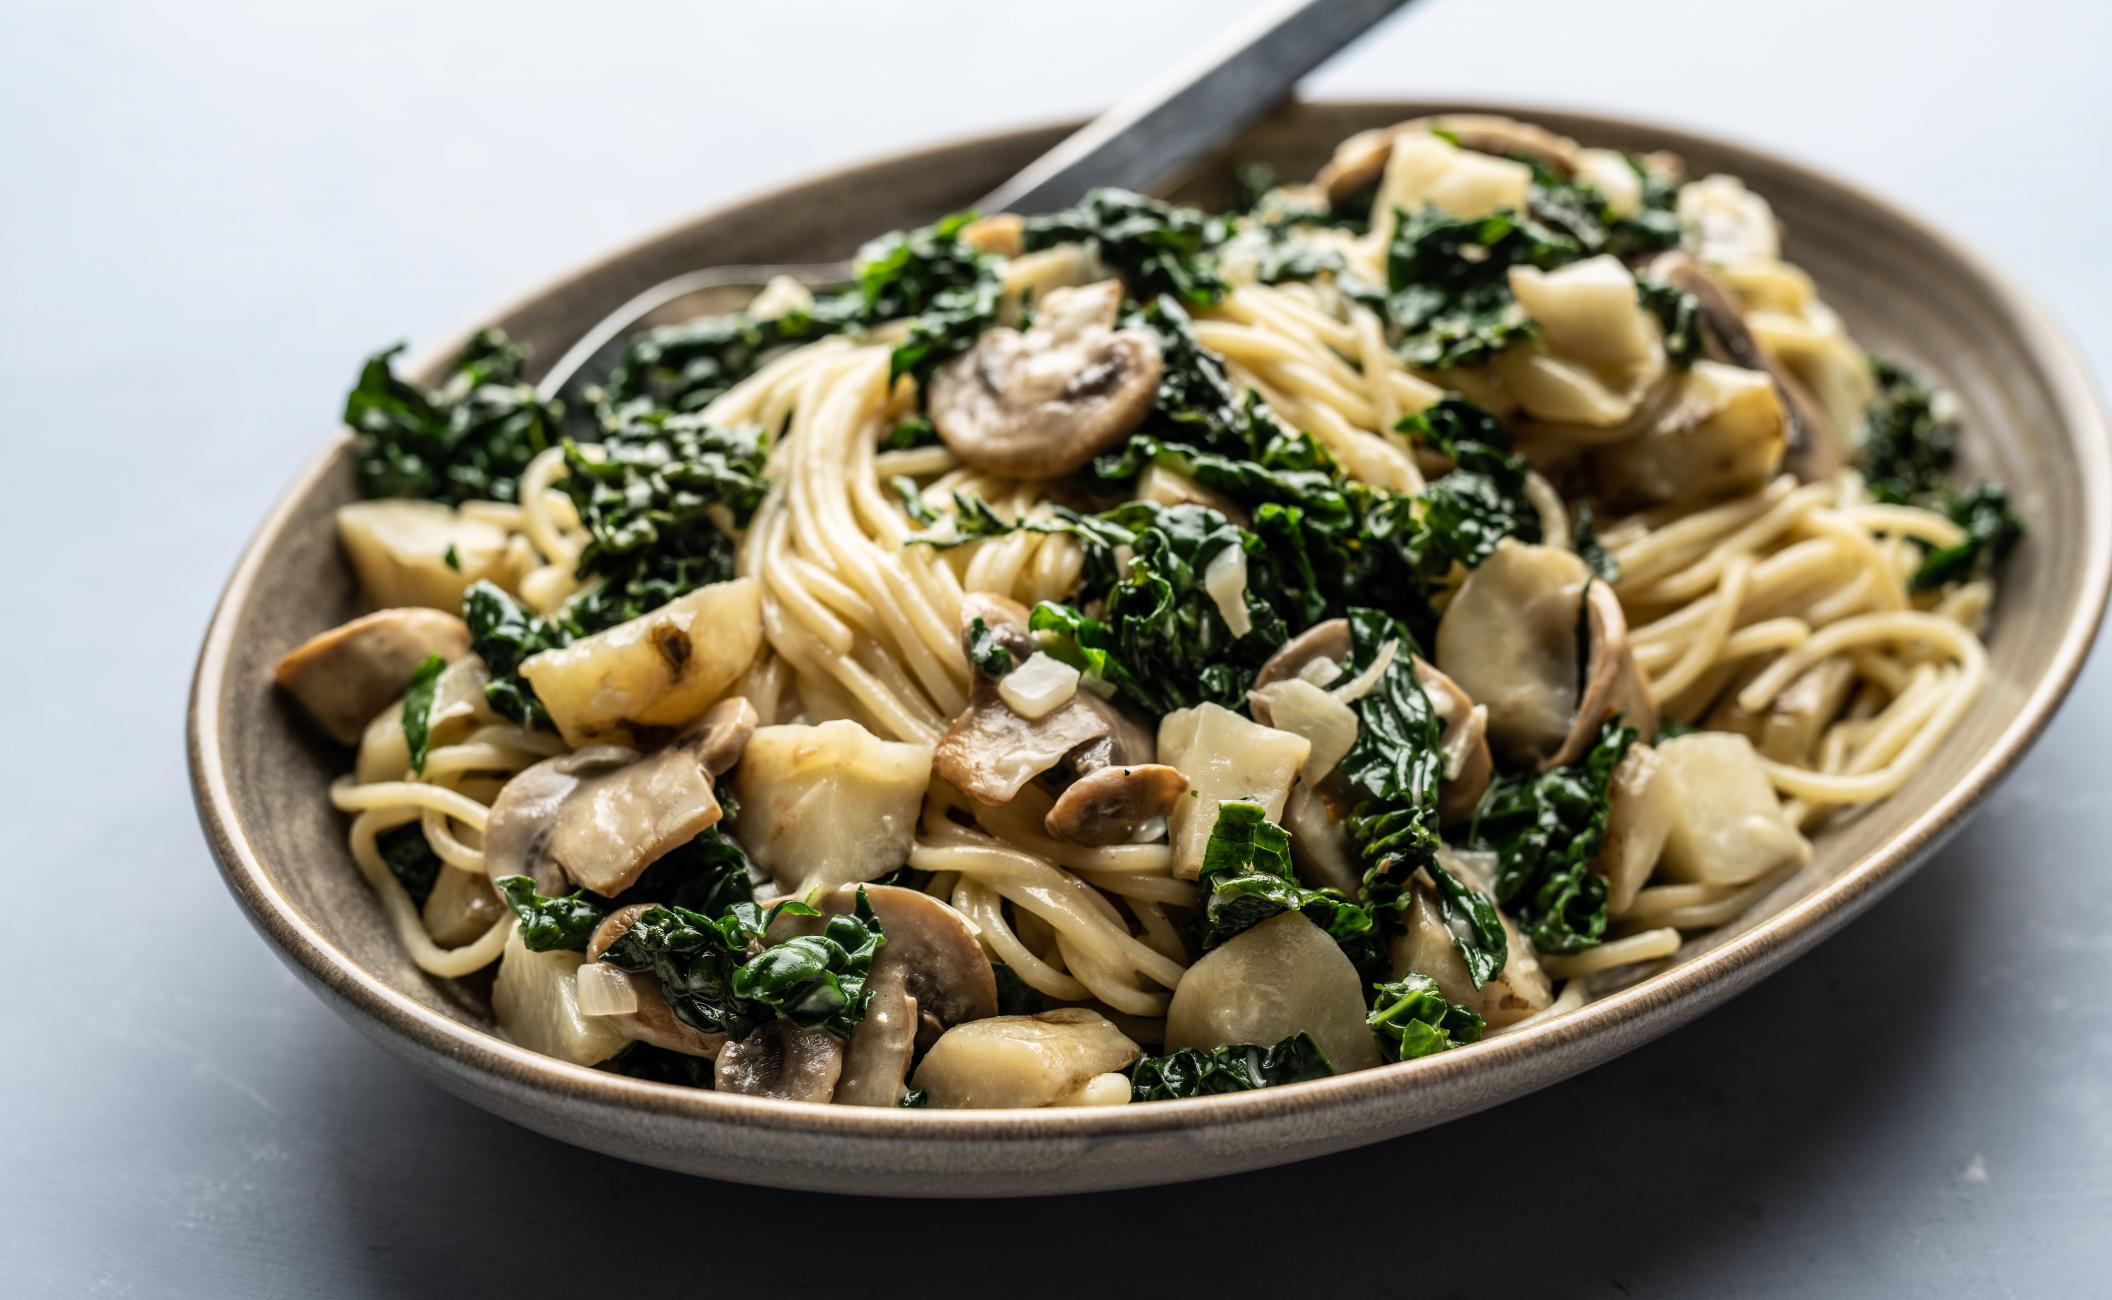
<point>1320,670</point>
<point>1325,722</point>
<point>1356,688</point>
<point>1039,686</point>
<point>1225,578</point>
<point>605,991</point>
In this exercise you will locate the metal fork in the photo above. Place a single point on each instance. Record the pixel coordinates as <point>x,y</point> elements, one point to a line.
<point>1157,134</point>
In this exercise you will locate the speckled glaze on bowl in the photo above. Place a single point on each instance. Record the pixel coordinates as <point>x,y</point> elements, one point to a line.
<point>1905,290</point>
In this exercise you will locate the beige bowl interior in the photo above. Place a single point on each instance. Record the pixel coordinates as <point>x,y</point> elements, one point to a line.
<point>1905,291</point>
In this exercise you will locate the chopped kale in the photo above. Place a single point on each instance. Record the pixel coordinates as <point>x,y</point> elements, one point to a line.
<point>410,859</point>
<point>418,710</point>
<point>1991,529</point>
<point>502,634</point>
<point>1412,1018</point>
<point>659,1065</point>
<point>1678,313</point>
<point>1584,535</point>
<point>467,440</point>
<point>1247,869</point>
<point>1016,997</point>
<point>1907,450</point>
<point>1545,830</point>
<point>566,922</point>
<point>1239,1067</point>
<point>986,653</point>
<point>1157,248</point>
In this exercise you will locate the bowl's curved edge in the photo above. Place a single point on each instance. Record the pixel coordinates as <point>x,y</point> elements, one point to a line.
<point>1033,1152</point>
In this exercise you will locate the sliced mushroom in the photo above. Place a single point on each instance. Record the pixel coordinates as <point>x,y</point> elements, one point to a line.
<point>652,1021</point>
<point>1464,741</point>
<point>1279,978</point>
<point>1324,644</point>
<point>991,751</point>
<point>782,1060</point>
<point>1022,1060</point>
<point>597,817</point>
<point>1816,449</point>
<point>947,971</point>
<point>1039,404</point>
<point>1112,805</point>
<point>1511,639</point>
<point>1360,161</point>
<point>347,675</point>
<point>1126,744</point>
<point>1427,947</point>
<point>829,804</point>
<point>877,1059</point>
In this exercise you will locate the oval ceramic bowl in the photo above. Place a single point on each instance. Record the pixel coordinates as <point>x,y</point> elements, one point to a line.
<point>260,776</point>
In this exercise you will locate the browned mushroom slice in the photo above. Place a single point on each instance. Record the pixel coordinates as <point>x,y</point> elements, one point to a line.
<point>1464,742</point>
<point>653,1021</point>
<point>597,817</point>
<point>990,751</point>
<point>1816,449</point>
<point>782,1060</point>
<point>1126,743</point>
<point>943,963</point>
<point>1327,641</point>
<point>1360,161</point>
<point>1040,403</point>
<point>1113,804</point>
<point>349,674</point>
<point>1613,685</point>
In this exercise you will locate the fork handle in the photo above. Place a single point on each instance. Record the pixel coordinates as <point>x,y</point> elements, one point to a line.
<point>1195,110</point>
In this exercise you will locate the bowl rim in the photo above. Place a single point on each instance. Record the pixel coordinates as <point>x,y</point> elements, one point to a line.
<point>1642,1009</point>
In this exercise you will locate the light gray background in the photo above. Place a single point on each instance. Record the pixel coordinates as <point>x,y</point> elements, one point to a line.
<point>209,211</point>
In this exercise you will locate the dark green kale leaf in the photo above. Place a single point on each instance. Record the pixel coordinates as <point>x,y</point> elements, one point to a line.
<point>709,874</point>
<point>1412,1018</point>
<point>1198,406</point>
<point>1545,831</point>
<point>502,634</point>
<point>549,923</point>
<point>947,291</point>
<point>818,979</point>
<point>986,653</point>
<point>418,710</point>
<point>1159,637</point>
<point>914,1099</point>
<point>1678,313</point>
<point>1482,501</point>
<point>1157,248</point>
<point>659,1065</point>
<point>1247,869</point>
<point>1991,529</point>
<point>1908,446</point>
<point>410,859</point>
<point>656,501</point>
<point>913,432</point>
<point>1448,293</point>
<point>1577,209</point>
<point>1394,769</point>
<point>1239,1067</point>
<point>467,440</point>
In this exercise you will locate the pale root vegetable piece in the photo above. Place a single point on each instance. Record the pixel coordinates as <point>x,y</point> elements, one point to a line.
<point>1303,709</point>
<point>1426,946</point>
<point>831,804</point>
<point>536,1000</point>
<point>1264,984</point>
<point>1033,1060</point>
<point>1427,171</point>
<point>1224,756</point>
<point>1641,805</point>
<point>1587,311</point>
<point>399,549</point>
<point>461,907</point>
<point>1730,827</point>
<point>459,707</point>
<point>347,675</point>
<point>1727,224</point>
<point>1723,433</point>
<point>1100,1090</point>
<point>1563,392</point>
<point>1608,172</point>
<point>1509,639</point>
<point>658,672</point>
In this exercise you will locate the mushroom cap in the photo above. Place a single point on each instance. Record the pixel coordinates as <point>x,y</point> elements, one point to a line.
<point>716,740</point>
<point>1613,685</point>
<point>876,1062</point>
<point>990,752</point>
<point>345,676</point>
<point>1325,640</point>
<point>654,1021</point>
<point>941,961</point>
<point>1111,805</point>
<point>782,1060</point>
<point>1360,160</point>
<point>1040,403</point>
<point>1469,766</point>
<point>597,817</point>
<point>1816,449</point>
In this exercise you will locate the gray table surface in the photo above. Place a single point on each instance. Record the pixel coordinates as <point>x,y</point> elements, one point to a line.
<point>212,210</point>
